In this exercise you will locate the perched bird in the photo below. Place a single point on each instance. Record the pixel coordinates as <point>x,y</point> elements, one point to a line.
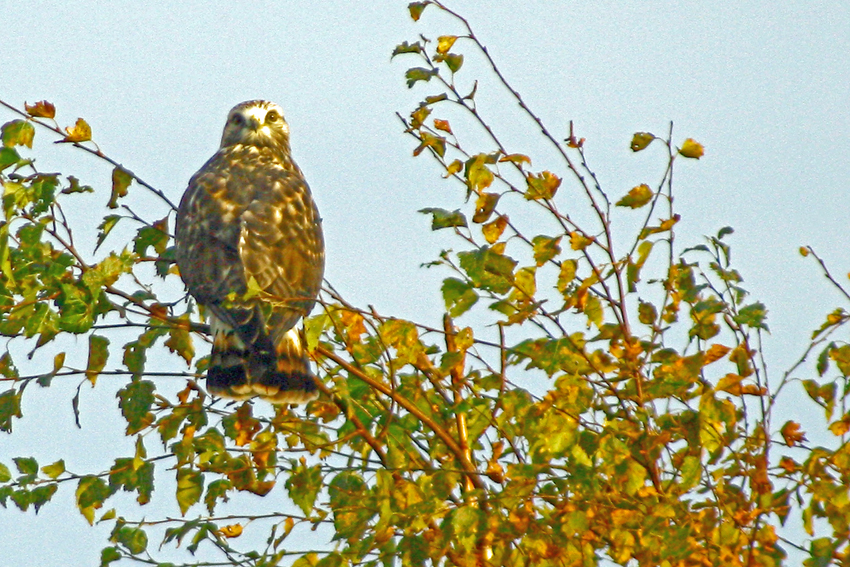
<point>251,252</point>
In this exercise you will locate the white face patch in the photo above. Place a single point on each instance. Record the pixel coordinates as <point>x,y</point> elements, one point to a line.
<point>253,124</point>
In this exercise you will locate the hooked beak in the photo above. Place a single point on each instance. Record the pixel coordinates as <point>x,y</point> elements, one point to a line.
<point>253,124</point>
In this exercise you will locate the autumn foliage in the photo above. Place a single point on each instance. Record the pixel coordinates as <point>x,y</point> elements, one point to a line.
<point>585,399</point>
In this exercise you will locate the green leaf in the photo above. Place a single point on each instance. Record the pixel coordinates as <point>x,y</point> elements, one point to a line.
<point>108,555</point>
<point>350,505</point>
<point>636,197</point>
<point>416,9</point>
<point>453,61</point>
<point>18,133</point>
<point>180,340</point>
<point>22,499</point>
<point>121,179</point>
<point>7,367</point>
<point>105,228</point>
<point>647,314</point>
<point>752,315</point>
<point>458,295</point>
<point>155,236</point>
<point>98,354</point>
<point>190,486</point>
<point>135,540</point>
<point>5,473</point>
<point>304,485</point>
<point>27,466</point>
<point>10,407</point>
<point>76,308</point>
<point>691,473</point>
<point>405,47</point>
<point>133,475</point>
<point>40,495</point>
<point>466,523</point>
<point>75,187</point>
<point>441,218</point>
<point>166,259</point>
<point>91,492</point>
<point>487,269</point>
<point>135,401</point>
<point>417,74</point>
<point>217,490</point>
<point>8,156</point>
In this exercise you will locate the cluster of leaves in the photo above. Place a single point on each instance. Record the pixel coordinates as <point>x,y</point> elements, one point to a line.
<point>602,399</point>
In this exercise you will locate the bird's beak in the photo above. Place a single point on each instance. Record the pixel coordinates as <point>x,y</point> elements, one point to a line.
<point>253,124</point>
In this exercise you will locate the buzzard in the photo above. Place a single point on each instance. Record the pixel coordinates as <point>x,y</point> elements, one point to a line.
<point>251,252</point>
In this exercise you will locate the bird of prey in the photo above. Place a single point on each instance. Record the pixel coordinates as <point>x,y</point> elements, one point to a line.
<point>251,252</point>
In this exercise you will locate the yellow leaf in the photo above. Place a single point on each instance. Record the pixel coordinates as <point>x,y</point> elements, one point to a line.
<point>246,426</point>
<point>518,159</point>
<point>792,434</point>
<point>542,186</point>
<point>80,132</point>
<point>231,531</point>
<point>716,352</point>
<point>731,383</point>
<point>579,242</point>
<point>354,325</point>
<point>58,362</point>
<point>484,206</point>
<point>494,229</point>
<point>41,109</point>
<point>641,140</point>
<point>668,224</point>
<point>453,168</point>
<point>691,149</point>
<point>442,125</point>
<point>444,43</point>
<point>478,175</point>
<point>524,281</point>
<point>637,197</point>
<point>789,464</point>
<point>840,427</point>
<point>567,275</point>
<point>804,251</point>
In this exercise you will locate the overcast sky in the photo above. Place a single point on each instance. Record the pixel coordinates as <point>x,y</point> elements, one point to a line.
<point>765,86</point>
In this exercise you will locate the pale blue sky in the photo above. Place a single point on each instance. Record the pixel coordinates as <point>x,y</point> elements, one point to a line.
<point>765,86</point>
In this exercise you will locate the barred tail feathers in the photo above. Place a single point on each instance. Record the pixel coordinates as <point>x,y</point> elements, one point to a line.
<point>291,381</point>
<point>279,374</point>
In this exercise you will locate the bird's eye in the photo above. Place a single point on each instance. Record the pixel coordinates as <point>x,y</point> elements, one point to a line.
<point>237,120</point>
<point>272,117</point>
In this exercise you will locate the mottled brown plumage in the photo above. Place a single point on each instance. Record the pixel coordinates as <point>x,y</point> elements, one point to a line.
<point>250,250</point>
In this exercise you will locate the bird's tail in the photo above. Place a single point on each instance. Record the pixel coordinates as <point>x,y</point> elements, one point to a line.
<point>244,363</point>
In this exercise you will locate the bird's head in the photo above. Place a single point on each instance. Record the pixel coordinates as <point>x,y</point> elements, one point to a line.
<point>256,123</point>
